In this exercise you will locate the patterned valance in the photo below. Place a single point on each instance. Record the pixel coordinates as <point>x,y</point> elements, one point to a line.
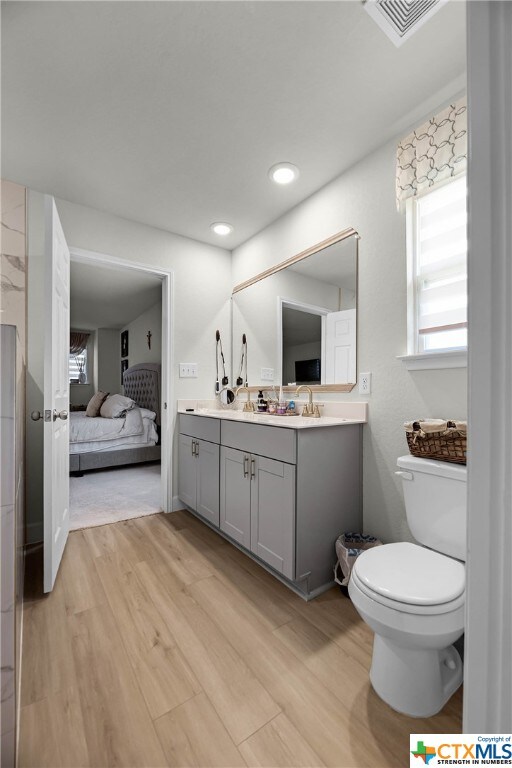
<point>433,152</point>
<point>78,342</point>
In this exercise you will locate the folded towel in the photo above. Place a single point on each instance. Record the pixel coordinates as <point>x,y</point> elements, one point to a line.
<point>434,425</point>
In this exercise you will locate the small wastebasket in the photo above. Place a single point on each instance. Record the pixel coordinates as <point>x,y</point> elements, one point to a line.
<point>348,548</point>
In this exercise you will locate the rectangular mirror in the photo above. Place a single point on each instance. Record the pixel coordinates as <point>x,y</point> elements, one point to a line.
<point>300,319</point>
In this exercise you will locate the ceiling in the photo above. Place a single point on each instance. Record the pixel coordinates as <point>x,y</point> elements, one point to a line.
<point>171,113</point>
<point>106,297</point>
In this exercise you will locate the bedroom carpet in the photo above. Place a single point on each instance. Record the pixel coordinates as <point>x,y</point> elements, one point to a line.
<point>111,495</point>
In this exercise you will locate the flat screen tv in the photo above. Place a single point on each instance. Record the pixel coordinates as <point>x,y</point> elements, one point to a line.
<point>308,371</point>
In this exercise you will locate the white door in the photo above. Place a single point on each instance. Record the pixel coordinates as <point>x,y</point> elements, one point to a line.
<point>340,347</point>
<point>56,394</point>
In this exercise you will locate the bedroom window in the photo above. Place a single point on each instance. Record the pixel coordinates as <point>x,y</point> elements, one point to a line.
<point>78,368</point>
<point>78,360</point>
<point>437,269</point>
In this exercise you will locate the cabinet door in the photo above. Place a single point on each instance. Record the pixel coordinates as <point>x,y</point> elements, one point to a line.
<point>235,495</point>
<point>208,481</point>
<point>273,513</point>
<point>187,471</point>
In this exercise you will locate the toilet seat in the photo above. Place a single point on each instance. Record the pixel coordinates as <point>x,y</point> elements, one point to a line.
<point>410,578</point>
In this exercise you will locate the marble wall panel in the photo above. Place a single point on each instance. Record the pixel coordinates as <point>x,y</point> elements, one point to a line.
<point>13,311</point>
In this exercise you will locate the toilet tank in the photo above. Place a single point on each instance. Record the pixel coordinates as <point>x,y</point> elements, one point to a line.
<point>435,503</point>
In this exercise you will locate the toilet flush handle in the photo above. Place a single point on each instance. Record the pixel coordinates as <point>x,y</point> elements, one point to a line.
<point>405,475</point>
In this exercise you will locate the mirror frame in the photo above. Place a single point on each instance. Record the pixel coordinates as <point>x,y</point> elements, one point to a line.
<point>337,238</point>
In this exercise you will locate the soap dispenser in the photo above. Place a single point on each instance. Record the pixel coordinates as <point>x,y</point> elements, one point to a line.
<point>262,403</point>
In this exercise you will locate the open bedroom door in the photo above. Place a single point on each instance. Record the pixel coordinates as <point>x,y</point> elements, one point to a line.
<point>56,394</point>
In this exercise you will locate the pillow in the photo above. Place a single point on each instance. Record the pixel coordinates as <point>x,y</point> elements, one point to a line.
<point>116,406</point>
<point>147,414</point>
<point>95,403</point>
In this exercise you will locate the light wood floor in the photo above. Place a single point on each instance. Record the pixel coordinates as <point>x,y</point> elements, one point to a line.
<point>163,645</point>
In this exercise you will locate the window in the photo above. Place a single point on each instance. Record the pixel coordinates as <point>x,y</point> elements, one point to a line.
<point>78,368</point>
<point>437,269</point>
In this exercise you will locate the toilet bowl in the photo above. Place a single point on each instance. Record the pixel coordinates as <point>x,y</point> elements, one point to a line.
<point>412,597</point>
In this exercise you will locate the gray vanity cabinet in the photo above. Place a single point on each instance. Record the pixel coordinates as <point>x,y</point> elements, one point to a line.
<point>198,469</point>
<point>282,494</point>
<point>235,495</point>
<point>273,513</point>
<point>257,506</point>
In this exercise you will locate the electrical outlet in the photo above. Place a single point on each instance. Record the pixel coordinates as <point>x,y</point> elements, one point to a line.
<point>365,383</point>
<point>188,370</point>
<point>267,374</point>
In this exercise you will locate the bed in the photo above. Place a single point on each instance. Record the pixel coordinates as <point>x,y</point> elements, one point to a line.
<point>98,443</point>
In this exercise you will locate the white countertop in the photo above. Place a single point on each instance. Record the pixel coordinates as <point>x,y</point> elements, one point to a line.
<point>289,422</point>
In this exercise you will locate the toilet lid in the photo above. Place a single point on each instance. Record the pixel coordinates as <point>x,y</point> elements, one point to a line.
<point>411,574</point>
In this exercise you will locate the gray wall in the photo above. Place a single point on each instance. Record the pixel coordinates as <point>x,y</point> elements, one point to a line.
<point>138,351</point>
<point>364,198</point>
<point>107,360</point>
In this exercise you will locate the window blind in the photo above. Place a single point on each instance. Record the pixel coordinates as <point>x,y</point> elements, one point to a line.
<point>441,265</point>
<point>77,365</point>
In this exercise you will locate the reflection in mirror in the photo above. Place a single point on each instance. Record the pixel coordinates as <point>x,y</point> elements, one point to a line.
<point>300,319</point>
<point>227,396</point>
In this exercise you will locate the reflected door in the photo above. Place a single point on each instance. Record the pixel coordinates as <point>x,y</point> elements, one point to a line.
<point>340,347</point>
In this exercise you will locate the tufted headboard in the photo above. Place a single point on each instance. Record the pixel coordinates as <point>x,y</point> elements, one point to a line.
<point>141,382</point>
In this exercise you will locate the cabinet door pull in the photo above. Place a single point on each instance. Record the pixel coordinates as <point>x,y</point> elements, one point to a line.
<point>197,448</point>
<point>246,466</point>
<point>194,446</point>
<point>253,468</point>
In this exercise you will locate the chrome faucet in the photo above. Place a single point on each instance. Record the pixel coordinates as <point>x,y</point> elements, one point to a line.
<point>248,405</point>
<point>309,409</point>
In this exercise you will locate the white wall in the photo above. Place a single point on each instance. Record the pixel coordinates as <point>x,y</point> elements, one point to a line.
<point>364,198</point>
<point>138,350</point>
<point>108,360</point>
<point>202,288</point>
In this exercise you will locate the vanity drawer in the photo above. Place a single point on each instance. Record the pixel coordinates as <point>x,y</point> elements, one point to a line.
<point>273,442</point>
<point>201,427</point>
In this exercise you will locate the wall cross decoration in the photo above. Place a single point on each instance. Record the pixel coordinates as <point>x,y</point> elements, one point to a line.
<point>149,335</point>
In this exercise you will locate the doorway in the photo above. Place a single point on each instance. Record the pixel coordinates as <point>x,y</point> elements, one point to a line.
<point>123,350</point>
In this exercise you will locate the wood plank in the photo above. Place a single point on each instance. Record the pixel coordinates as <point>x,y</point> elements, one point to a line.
<point>82,588</point>
<point>280,694</point>
<point>240,700</point>
<point>162,672</point>
<point>118,729</point>
<point>313,710</point>
<point>105,539</point>
<point>279,743</point>
<point>185,562</point>
<point>193,735</point>
<point>52,733</point>
<point>47,652</point>
<point>238,578</point>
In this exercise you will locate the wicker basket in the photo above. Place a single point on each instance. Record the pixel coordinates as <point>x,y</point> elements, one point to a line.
<point>443,441</point>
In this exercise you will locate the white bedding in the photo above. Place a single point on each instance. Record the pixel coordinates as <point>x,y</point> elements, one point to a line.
<point>98,434</point>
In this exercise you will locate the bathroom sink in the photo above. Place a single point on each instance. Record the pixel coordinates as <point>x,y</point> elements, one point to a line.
<point>271,419</point>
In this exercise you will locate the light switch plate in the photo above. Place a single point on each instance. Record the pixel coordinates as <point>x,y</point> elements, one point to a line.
<point>188,370</point>
<point>267,374</point>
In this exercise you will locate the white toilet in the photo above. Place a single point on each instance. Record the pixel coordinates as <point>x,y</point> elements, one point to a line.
<point>412,596</point>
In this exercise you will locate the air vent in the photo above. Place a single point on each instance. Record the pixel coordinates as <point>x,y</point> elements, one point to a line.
<point>400,19</point>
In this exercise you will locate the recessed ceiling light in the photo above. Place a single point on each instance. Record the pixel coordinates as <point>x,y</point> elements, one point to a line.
<point>221,228</point>
<point>284,173</point>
